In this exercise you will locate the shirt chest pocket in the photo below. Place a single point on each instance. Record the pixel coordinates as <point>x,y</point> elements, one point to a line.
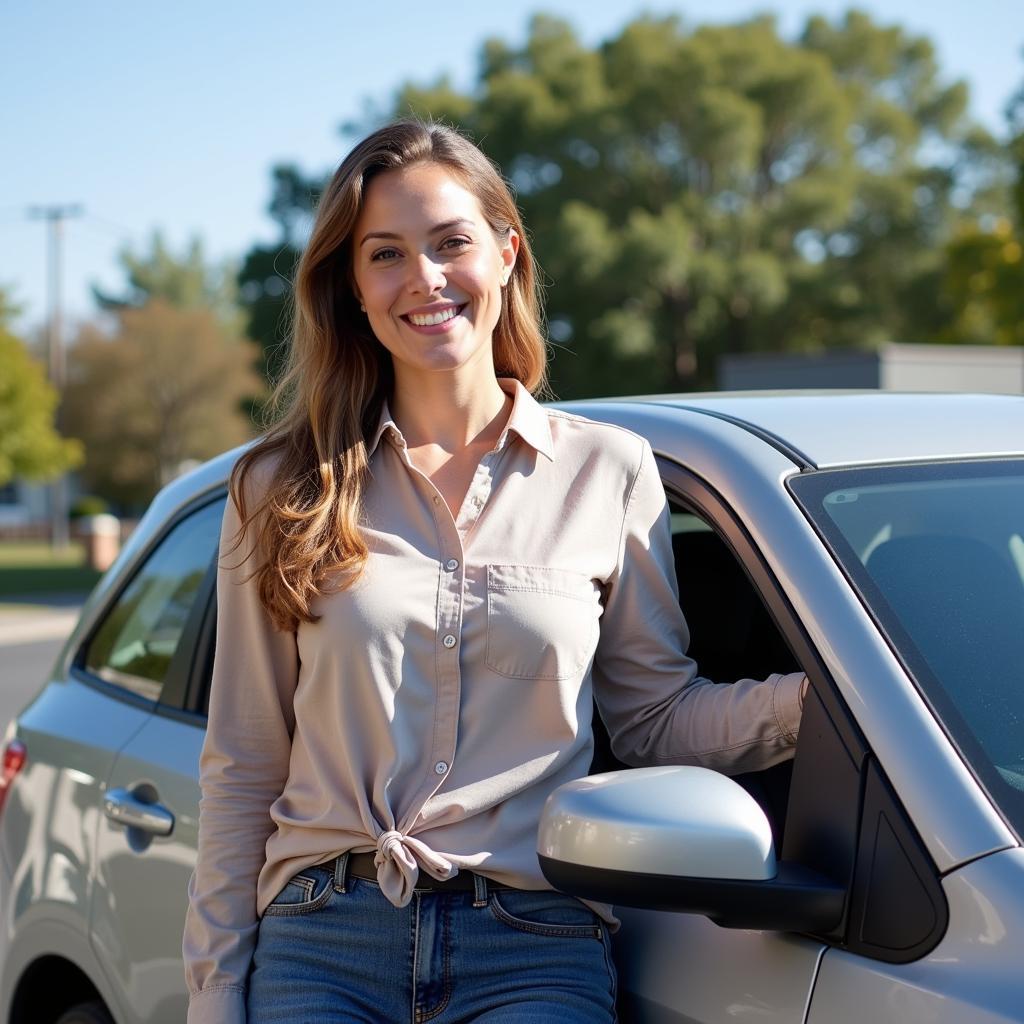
<point>541,623</point>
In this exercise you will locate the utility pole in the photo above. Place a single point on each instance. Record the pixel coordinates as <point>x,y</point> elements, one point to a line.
<point>56,215</point>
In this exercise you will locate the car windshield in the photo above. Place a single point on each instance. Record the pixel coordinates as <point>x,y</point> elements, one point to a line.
<point>937,553</point>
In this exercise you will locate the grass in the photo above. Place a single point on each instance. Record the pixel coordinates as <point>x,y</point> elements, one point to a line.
<point>30,567</point>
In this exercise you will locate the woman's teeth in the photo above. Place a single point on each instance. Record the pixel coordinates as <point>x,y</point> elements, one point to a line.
<point>430,319</point>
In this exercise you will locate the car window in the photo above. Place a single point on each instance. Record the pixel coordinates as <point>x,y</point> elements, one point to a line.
<point>732,636</point>
<point>137,639</point>
<point>937,554</point>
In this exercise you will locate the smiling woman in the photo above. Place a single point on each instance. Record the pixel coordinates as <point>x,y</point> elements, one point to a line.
<point>426,581</point>
<point>429,270</point>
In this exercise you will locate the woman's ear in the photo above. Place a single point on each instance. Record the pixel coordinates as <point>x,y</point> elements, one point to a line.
<point>508,255</point>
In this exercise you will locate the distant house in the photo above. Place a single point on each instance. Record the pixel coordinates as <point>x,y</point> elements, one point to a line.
<point>23,506</point>
<point>892,367</point>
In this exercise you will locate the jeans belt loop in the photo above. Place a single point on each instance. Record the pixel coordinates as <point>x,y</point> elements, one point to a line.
<point>341,872</point>
<point>479,890</point>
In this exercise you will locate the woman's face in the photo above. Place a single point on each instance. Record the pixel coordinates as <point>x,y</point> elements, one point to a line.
<point>429,269</point>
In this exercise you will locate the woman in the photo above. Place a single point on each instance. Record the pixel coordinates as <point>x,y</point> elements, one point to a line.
<point>425,578</point>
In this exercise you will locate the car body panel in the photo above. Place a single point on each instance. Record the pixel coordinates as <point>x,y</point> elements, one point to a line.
<point>832,430</point>
<point>50,820</point>
<point>65,770</point>
<point>139,881</point>
<point>974,974</point>
<point>682,969</point>
<point>38,936</point>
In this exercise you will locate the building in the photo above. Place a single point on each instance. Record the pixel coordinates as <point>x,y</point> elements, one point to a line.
<point>893,367</point>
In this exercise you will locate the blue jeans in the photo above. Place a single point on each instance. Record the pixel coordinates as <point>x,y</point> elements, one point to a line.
<point>332,948</point>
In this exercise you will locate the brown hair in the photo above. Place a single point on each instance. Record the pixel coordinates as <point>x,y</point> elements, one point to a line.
<point>337,376</point>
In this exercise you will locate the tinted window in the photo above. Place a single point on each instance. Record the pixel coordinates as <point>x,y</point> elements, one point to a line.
<point>137,639</point>
<point>937,552</point>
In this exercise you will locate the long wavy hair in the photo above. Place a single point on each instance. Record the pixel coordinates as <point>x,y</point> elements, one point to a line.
<point>305,516</point>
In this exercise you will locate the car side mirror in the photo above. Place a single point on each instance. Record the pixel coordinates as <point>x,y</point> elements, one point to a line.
<point>682,839</point>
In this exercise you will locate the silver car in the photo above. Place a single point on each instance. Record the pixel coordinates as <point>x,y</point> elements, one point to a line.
<point>874,541</point>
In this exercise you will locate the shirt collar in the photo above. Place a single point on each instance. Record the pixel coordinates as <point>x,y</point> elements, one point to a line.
<point>528,419</point>
<point>384,425</point>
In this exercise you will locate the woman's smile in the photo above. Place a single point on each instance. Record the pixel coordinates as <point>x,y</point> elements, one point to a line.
<point>435,319</point>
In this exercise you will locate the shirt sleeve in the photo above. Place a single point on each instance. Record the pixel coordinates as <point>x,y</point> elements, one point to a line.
<point>657,709</point>
<point>242,770</point>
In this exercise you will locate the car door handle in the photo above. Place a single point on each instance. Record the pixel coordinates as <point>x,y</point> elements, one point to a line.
<point>124,808</point>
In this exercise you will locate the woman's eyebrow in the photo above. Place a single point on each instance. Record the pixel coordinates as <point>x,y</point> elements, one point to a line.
<point>391,236</point>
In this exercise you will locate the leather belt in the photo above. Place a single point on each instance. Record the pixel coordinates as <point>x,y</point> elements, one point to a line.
<point>361,865</point>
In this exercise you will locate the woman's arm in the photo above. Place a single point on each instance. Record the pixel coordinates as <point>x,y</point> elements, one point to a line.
<point>655,706</point>
<point>242,770</point>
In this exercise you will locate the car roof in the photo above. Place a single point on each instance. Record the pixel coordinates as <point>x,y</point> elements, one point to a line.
<point>815,429</point>
<point>843,428</point>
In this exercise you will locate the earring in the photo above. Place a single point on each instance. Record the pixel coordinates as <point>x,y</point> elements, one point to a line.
<point>362,307</point>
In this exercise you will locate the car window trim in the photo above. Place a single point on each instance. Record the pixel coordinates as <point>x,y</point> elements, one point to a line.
<point>202,666</point>
<point>181,663</point>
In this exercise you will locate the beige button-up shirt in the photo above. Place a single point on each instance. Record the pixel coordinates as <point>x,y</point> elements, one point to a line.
<point>434,706</point>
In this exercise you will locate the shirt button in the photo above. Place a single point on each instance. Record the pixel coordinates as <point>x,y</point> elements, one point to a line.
<point>441,767</point>
<point>437,500</point>
<point>478,502</point>
<point>449,641</point>
<point>452,564</point>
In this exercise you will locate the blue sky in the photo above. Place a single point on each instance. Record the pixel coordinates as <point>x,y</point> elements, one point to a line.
<point>171,116</point>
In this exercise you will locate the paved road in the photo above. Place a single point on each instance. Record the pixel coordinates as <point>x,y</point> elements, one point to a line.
<point>31,637</point>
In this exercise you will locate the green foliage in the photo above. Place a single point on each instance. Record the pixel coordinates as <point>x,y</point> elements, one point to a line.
<point>984,275</point>
<point>30,446</point>
<point>266,274</point>
<point>692,192</point>
<point>265,283</point>
<point>188,281</point>
<point>88,505</point>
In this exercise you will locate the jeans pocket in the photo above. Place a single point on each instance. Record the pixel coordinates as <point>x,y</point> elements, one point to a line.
<point>545,913</point>
<point>541,622</point>
<point>303,893</point>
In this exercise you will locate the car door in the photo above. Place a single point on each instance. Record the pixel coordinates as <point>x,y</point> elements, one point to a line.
<point>905,919</point>
<point>676,968</point>
<point>146,838</point>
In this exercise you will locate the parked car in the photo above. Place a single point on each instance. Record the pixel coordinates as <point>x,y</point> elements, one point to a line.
<point>875,541</point>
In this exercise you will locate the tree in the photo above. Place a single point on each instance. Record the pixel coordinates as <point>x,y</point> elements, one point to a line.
<point>265,277</point>
<point>166,388</point>
<point>188,282</point>
<point>30,446</point>
<point>692,192</point>
<point>185,282</point>
<point>983,282</point>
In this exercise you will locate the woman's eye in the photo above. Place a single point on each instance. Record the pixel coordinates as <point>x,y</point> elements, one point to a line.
<point>384,254</point>
<point>455,243</point>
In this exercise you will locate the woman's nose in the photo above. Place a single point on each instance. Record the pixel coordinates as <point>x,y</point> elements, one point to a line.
<point>426,274</point>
